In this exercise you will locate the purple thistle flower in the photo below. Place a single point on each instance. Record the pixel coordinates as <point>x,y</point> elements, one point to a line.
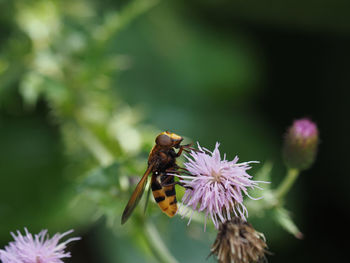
<point>37,249</point>
<point>304,129</point>
<point>216,185</point>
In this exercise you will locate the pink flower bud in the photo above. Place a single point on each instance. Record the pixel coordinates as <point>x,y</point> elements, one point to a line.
<point>300,144</point>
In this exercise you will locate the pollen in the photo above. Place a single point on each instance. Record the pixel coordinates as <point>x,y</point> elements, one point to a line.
<point>216,176</point>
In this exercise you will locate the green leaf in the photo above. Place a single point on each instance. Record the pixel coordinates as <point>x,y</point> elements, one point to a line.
<point>282,216</point>
<point>148,186</point>
<point>102,177</point>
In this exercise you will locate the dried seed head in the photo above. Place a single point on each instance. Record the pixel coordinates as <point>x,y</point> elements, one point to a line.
<point>238,242</point>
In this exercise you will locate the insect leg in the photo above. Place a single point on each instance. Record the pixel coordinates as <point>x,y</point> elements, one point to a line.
<point>182,147</point>
<point>167,179</point>
<point>176,183</point>
<point>172,171</point>
<point>185,171</point>
<point>182,172</point>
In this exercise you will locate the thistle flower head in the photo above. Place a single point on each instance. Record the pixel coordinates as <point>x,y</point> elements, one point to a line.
<point>216,186</point>
<point>37,249</point>
<point>237,241</point>
<point>300,144</point>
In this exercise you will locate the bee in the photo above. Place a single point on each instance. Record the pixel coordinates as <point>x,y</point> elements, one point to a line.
<point>161,160</point>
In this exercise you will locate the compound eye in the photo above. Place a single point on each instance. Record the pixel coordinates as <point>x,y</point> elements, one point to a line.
<point>163,140</point>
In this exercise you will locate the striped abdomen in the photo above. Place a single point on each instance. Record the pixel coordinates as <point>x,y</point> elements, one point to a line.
<point>165,196</point>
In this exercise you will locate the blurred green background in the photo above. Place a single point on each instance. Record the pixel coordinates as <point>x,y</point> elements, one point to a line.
<point>85,86</point>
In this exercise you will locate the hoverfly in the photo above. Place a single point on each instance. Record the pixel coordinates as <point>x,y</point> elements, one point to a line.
<point>161,160</point>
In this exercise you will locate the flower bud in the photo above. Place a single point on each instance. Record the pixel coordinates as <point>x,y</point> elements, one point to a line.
<point>300,144</point>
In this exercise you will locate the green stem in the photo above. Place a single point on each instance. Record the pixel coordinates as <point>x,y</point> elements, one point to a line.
<point>287,183</point>
<point>157,244</point>
<point>118,21</point>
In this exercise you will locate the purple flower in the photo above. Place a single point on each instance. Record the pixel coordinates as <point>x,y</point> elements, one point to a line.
<point>300,144</point>
<point>217,185</point>
<point>37,249</point>
<point>304,129</point>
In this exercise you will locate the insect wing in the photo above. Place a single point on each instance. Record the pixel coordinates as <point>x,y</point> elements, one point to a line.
<point>136,196</point>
